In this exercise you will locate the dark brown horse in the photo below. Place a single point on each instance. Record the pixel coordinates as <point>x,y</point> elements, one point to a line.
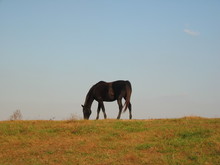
<point>103,91</point>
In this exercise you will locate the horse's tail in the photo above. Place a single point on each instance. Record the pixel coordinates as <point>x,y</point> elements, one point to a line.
<point>128,95</point>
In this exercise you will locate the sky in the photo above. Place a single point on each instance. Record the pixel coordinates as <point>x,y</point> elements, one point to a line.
<point>52,52</point>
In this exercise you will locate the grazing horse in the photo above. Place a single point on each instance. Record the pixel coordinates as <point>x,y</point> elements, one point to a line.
<point>108,91</point>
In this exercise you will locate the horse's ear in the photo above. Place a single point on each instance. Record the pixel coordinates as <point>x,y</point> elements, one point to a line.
<point>82,105</point>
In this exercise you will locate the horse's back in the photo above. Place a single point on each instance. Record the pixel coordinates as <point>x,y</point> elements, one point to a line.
<point>121,84</point>
<point>110,91</point>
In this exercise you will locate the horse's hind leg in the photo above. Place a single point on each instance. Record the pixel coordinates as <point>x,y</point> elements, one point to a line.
<point>129,107</point>
<point>120,108</point>
<point>103,109</point>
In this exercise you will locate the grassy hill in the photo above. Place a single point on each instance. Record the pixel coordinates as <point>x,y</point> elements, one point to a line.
<point>111,142</point>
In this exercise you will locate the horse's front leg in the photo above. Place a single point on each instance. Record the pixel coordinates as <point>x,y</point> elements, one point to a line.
<point>98,110</point>
<point>103,109</point>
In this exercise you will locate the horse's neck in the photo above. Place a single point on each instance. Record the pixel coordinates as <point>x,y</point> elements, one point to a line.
<point>89,100</point>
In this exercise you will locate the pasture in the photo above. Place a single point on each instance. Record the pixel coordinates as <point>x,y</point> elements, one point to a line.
<point>111,142</point>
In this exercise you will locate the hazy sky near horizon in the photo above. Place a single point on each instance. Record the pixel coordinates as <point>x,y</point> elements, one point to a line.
<point>52,52</point>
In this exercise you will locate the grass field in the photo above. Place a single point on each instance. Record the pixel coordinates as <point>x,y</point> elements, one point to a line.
<point>111,142</point>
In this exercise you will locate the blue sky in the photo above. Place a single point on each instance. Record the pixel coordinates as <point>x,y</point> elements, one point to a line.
<point>52,52</point>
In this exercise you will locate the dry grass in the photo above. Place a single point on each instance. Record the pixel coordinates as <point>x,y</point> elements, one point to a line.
<point>111,142</point>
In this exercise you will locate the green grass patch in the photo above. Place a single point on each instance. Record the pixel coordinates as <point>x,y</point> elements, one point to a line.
<point>144,146</point>
<point>195,134</point>
<point>136,126</point>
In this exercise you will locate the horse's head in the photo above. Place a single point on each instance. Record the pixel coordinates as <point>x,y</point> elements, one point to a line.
<point>86,112</point>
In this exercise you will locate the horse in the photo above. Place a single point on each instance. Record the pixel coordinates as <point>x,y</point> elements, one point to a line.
<point>108,91</point>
